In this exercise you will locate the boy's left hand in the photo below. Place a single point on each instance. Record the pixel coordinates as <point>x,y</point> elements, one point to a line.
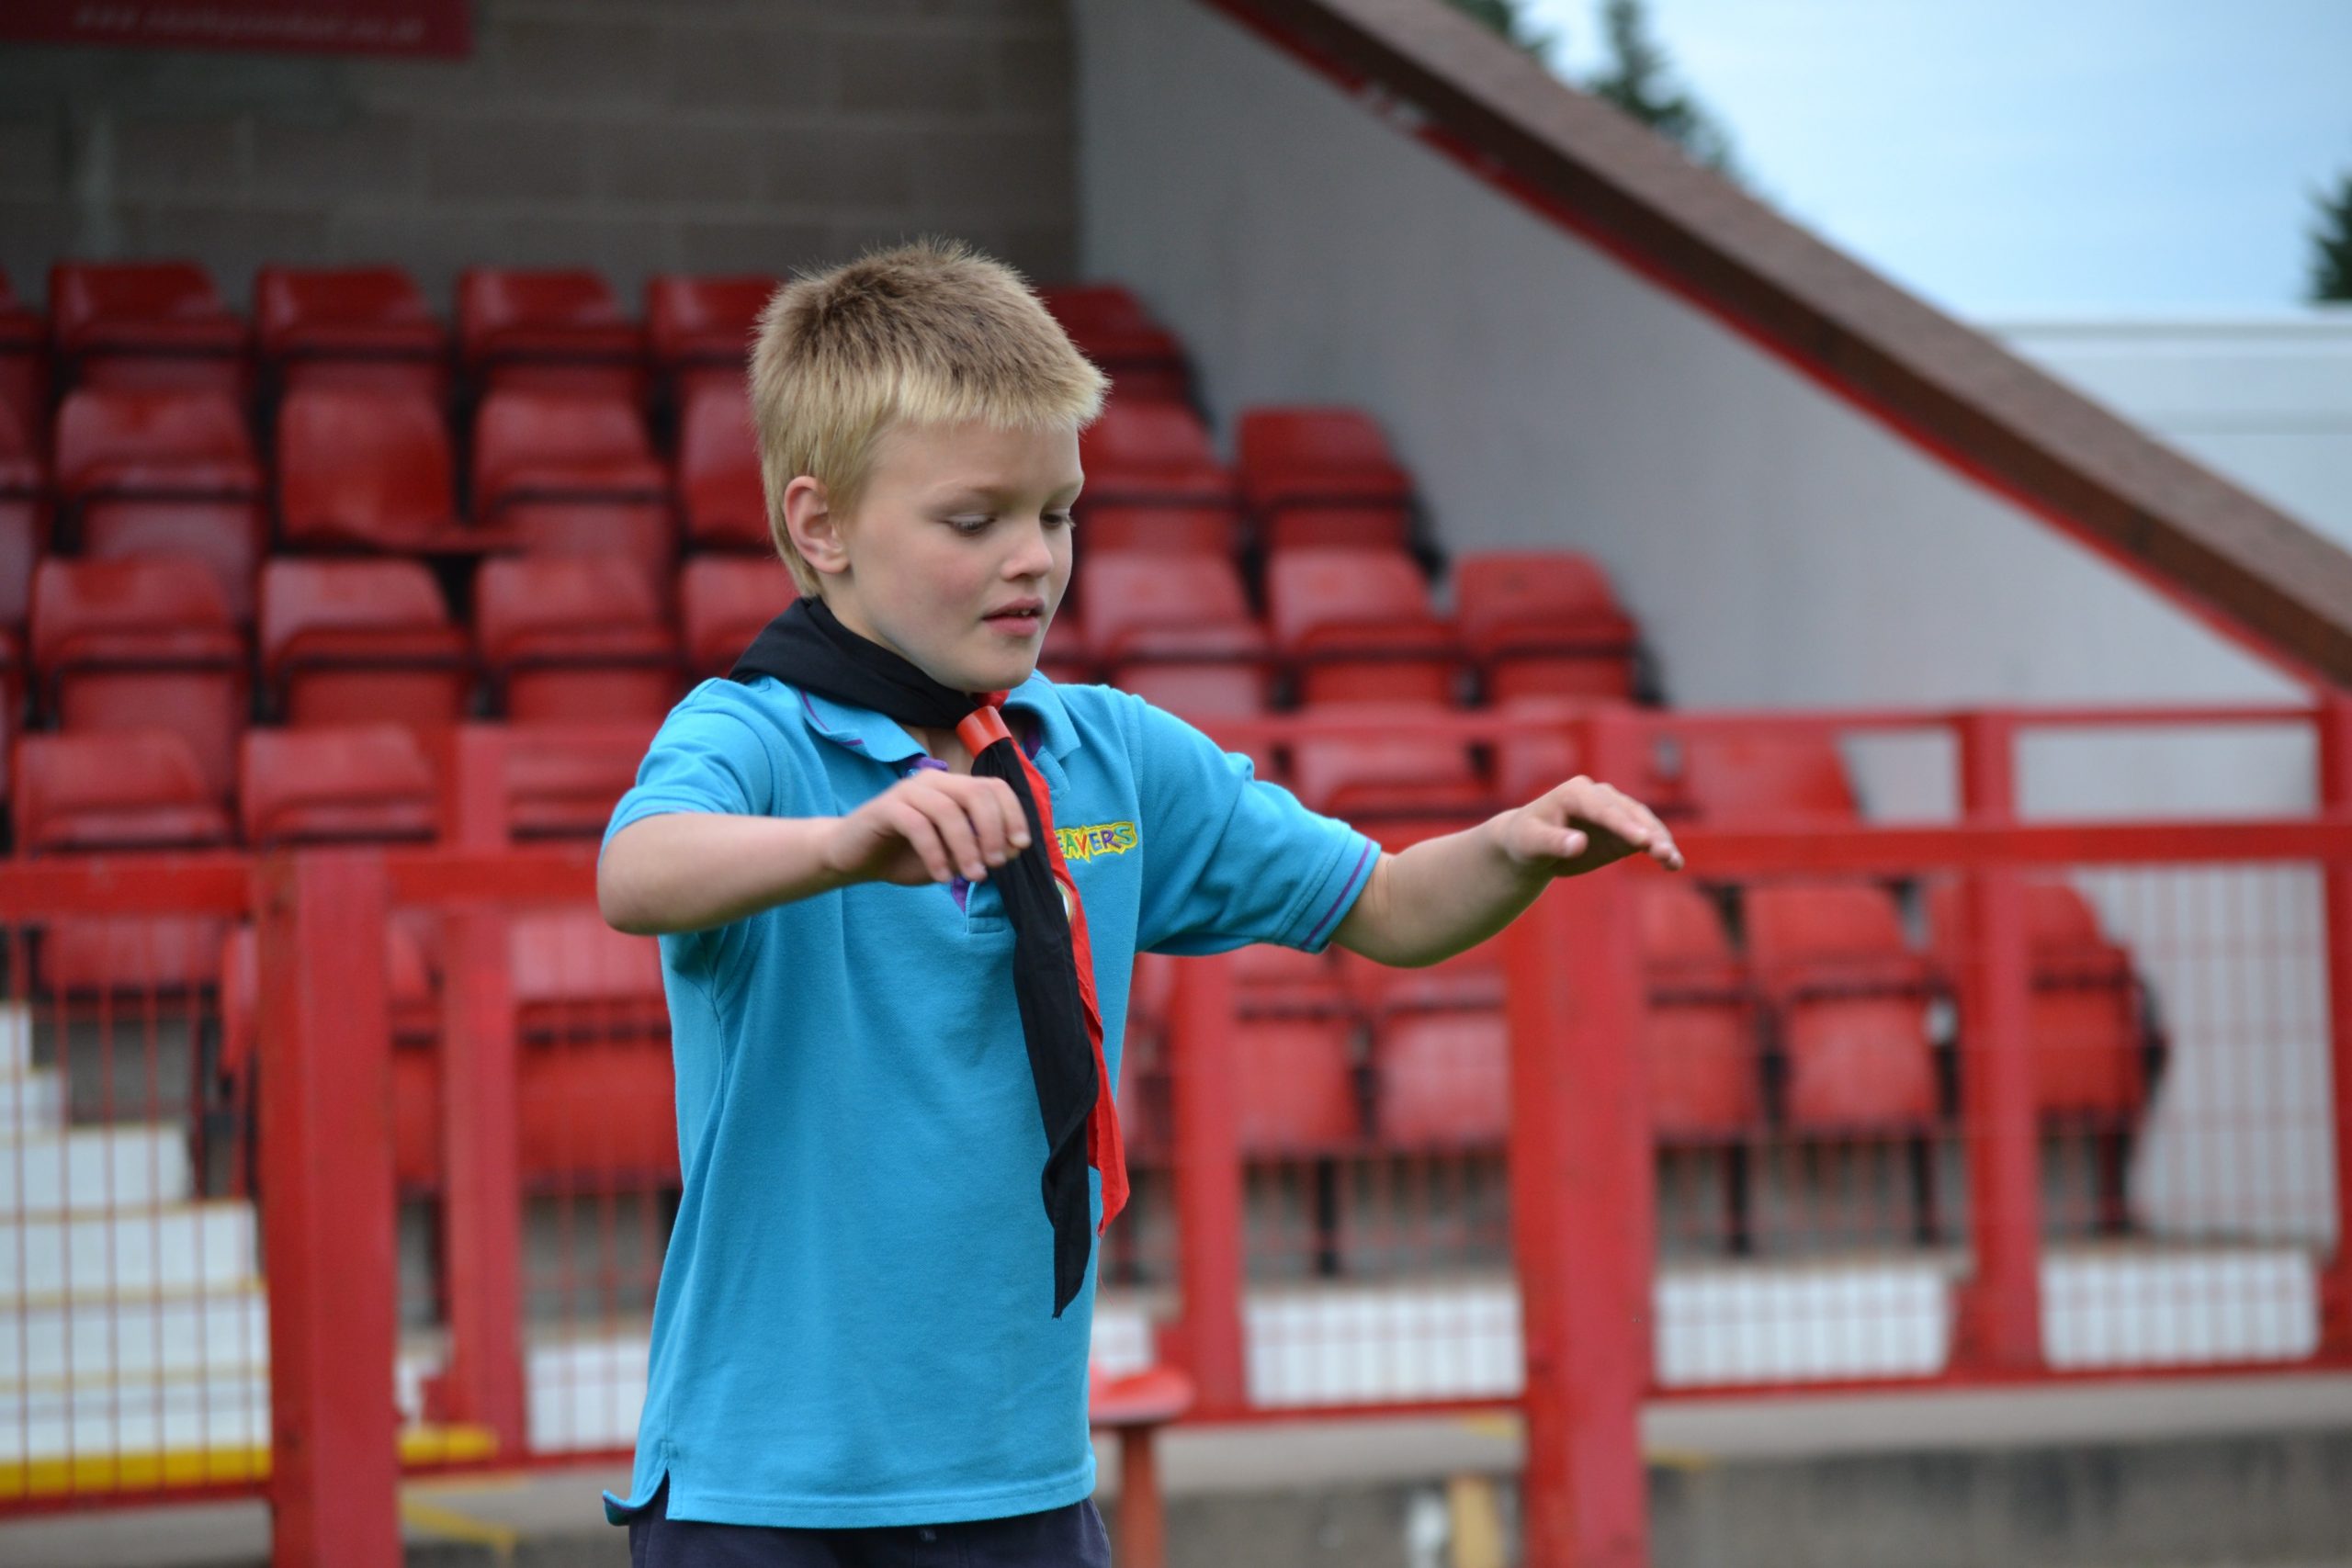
<point>1583,826</point>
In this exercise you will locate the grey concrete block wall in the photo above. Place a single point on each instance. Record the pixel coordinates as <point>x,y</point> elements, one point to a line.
<point>633,136</point>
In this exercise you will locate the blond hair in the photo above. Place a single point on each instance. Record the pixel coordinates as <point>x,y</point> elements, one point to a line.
<point>932,332</point>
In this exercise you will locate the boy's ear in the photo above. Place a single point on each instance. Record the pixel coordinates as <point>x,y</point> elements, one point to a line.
<point>816,530</point>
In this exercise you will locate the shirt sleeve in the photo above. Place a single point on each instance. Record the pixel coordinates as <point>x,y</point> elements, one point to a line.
<point>708,755</point>
<point>1229,858</point>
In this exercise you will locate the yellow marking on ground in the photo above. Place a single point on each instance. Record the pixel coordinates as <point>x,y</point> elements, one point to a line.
<point>451,1524</point>
<point>153,1470</point>
<point>1477,1522</point>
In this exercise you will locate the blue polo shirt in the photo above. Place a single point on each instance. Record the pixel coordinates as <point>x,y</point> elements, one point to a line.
<point>855,1321</point>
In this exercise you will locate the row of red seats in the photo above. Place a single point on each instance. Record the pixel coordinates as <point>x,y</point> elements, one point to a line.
<point>376,467</point>
<point>1341,1055</point>
<point>114,641</point>
<point>164,323</point>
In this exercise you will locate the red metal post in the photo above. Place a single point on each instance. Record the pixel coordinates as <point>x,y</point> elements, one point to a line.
<point>1143,1521</point>
<point>482,1191</point>
<point>1583,1201</point>
<point>1206,1341</point>
<point>1997,1323</point>
<point>2335,799</point>
<point>325,1101</point>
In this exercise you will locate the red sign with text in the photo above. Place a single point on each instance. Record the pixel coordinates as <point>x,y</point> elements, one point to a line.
<point>327,27</point>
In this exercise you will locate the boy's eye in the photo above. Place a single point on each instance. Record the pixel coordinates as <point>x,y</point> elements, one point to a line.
<point>1060,519</point>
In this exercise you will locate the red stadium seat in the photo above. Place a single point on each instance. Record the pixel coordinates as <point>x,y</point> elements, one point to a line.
<point>1154,455</point>
<point>564,780</point>
<point>146,324</point>
<point>132,791</point>
<point>1358,627</point>
<point>143,643</point>
<point>2084,1014</point>
<point>570,473</point>
<point>1174,530</point>
<point>1440,1052</point>
<point>351,326</point>
<point>723,602</point>
<point>1184,619</point>
<point>597,1096</point>
<point>718,470</point>
<point>336,784</point>
<point>1273,981</point>
<point>699,329</point>
<point>1543,623</point>
<point>24,538</point>
<point>1765,778</point>
<point>574,638</point>
<point>1321,475</point>
<point>559,330</point>
<point>1295,1087</point>
<point>1111,327</point>
<point>1852,1002</point>
<point>24,366</point>
<point>1702,1028</point>
<point>1400,785</point>
<point>346,641</point>
<point>363,466</point>
<point>145,471</point>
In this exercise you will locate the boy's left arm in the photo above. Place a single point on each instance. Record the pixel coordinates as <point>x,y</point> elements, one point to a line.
<point>1440,897</point>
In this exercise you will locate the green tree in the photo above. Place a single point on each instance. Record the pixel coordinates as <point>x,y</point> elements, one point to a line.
<point>2331,242</point>
<point>1638,80</point>
<point>1506,17</point>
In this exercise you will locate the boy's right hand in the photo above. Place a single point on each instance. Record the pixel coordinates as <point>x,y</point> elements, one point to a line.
<point>930,827</point>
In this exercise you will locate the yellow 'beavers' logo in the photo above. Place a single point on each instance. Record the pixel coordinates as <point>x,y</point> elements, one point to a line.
<point>1102,839</point>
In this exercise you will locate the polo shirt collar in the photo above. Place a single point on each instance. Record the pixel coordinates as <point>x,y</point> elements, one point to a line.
<point>870,734</point>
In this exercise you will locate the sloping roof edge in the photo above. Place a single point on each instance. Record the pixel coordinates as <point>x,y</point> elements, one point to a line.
<point>2263,579</point>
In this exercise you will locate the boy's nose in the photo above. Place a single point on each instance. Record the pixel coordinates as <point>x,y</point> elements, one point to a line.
<point>1032,557</point>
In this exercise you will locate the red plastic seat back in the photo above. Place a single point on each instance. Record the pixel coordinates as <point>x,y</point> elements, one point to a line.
<point>1151,453</point>
<point>129,440</point>
<point>1758,778</point>
<point>146,324</point>
<point>1359,625</point>
<point>723,600</point>
<point>363,466</point>
<point>564,780</point>
<point>361,640</point>
<point>705,320</point>
<point>125,790</point>
<point>560,329</point>
<point>718,470</point>
<point>1853,1003</point>
<point>575,637</point>
<point>353,326</point>
<point>364,783</point>
<point>584,443</point>
<point>1139,605</point>
<point>143,643</point>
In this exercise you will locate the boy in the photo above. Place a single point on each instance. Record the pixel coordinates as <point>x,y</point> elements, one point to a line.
<point>894,1003</point>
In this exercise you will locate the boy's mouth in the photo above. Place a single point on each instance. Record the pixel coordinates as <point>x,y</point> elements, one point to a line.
<point>1021,617</point>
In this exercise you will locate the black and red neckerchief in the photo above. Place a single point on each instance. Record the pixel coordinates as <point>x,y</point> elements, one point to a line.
<point>1052,969</point>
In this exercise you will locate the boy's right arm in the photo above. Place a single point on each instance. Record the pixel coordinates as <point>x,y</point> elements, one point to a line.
<point>683,871</point>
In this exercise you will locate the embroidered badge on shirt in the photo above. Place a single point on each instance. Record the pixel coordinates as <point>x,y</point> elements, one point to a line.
<point>1081,844</point>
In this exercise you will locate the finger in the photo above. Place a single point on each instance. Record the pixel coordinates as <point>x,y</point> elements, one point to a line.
<point>977,801</point>
<point>1016,820</point>
<point>947,814</point>
<point>910,823</point>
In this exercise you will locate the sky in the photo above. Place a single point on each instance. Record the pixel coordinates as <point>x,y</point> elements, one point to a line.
<point>2026,158</point>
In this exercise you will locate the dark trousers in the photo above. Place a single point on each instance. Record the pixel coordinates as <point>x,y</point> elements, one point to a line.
<point>1067,1537</point>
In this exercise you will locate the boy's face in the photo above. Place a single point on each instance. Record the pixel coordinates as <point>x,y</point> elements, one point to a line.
<point>959,550</point>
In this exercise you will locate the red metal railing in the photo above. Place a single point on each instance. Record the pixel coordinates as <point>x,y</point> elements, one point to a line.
<point>1572,1263</point>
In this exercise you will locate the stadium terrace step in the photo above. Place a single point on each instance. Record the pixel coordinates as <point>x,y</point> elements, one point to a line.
<point>92,1168</point>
